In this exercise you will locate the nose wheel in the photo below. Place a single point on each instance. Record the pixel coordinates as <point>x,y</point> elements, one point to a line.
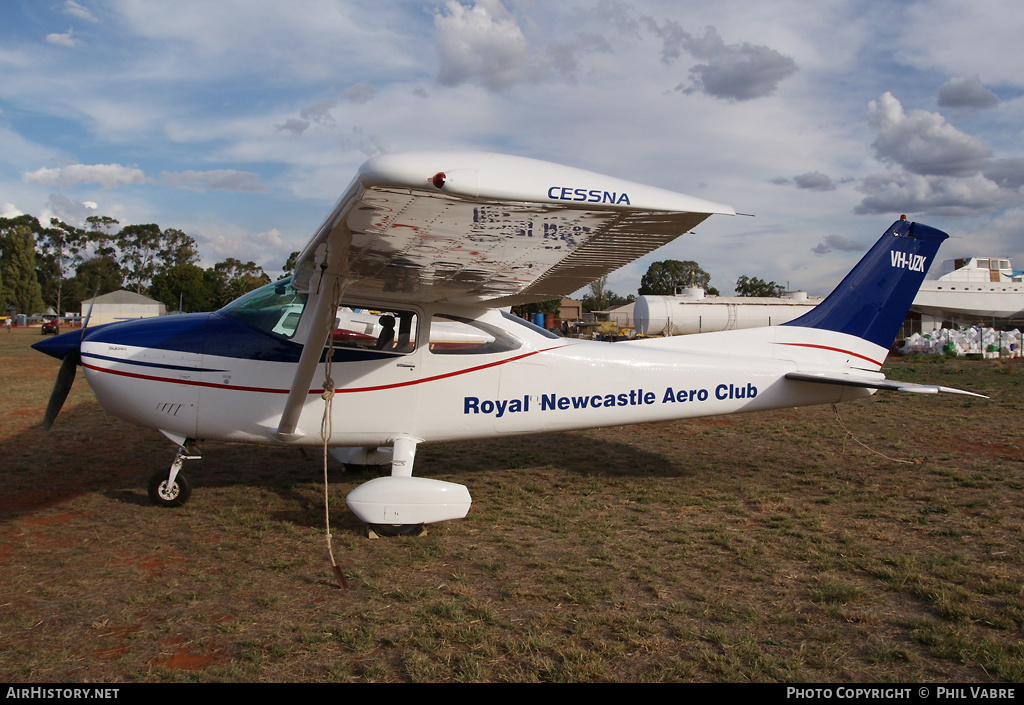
<point>173,488</point>
<point>165,493</point>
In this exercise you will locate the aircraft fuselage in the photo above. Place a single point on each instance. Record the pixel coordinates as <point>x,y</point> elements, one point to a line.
<point>213,377</point>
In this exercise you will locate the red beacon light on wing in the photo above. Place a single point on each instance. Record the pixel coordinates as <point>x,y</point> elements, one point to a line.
<point>438,179</point>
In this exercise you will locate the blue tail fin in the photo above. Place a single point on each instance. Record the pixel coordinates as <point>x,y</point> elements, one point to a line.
<point>873,299</point>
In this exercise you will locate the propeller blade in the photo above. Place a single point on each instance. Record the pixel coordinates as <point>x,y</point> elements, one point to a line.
<point>85,323</point>
<point>67,348</point>
<point>61,387</point>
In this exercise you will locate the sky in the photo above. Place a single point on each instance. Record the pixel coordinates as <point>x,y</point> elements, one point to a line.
<point>241,122</point>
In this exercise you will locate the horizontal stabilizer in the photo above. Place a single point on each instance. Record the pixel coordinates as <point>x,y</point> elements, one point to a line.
<point>867,383</point>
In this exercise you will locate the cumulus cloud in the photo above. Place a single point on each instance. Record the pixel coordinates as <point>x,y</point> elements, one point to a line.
<point>225,240</point>
<point>107,175</point>
<point>64,40</point>
<point>318,112</point>
<point>1008,173</point>
<point>939,195</point>
<point>674,39</point>
<point>217,180</point>
<point>814,181</point>
<point>837,242</point>
<point>294,125</point>
<point>75,10</point>
<point>9,210</point>
<point>360,93</point>
<point>923,142</point>
<point>271,237</point>
<point>730,71</point>
<point>935,167</point>
<point>481,44</point>
<point>67,210</point>
<point>811,181</point>
<point>966,95</point>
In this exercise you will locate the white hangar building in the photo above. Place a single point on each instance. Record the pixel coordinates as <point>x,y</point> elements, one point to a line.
<point>121,305</point>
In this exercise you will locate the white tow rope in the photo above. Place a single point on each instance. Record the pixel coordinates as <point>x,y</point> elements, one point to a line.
<point>326,430</point>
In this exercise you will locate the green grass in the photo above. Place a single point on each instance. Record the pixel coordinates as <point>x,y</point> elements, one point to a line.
<point>767,547</point>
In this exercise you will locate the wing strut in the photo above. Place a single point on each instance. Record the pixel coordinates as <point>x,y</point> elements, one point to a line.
<point>321,327</point>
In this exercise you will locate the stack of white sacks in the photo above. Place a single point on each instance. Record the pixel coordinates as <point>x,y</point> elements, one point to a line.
<point>973,341</point>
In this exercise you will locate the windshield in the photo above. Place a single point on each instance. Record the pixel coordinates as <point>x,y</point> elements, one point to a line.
<point>275,308</point>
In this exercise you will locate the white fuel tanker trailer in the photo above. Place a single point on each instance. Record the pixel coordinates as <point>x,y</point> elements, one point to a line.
<point>691,311</point>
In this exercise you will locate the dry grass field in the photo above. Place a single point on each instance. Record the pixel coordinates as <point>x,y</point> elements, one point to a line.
<point>765,548</point>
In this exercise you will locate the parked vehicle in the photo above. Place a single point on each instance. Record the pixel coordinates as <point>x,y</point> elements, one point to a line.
<point>51,324</point>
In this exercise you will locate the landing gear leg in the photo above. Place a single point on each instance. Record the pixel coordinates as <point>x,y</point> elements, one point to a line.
<point>172,489</point>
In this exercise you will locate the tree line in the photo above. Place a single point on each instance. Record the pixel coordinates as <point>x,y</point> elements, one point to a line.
<point>59,266</point>
<point>666,278</point>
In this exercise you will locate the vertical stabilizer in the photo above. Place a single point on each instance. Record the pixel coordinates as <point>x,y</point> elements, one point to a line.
<point>873,299</point>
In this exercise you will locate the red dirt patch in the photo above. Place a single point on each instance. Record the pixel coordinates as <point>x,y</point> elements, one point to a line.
<point>185,660</point>
<point>155,565</point>
<point>52,519</point>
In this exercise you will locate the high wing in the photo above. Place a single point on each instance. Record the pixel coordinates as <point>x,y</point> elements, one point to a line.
<point>472,227</point>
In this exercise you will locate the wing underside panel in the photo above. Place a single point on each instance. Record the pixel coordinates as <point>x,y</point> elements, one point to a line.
<point>419,245</point>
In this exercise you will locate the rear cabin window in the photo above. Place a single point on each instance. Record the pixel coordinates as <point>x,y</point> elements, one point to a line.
<point>452,335</point>
<point>528,325</point>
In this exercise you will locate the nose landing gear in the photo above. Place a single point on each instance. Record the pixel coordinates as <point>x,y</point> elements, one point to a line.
<point>172,489</point>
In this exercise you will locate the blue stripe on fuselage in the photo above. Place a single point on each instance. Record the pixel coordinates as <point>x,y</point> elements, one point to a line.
<point>213,334</point>
<point>155,365</point>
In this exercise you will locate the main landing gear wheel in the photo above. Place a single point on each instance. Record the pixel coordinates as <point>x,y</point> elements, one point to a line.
<point>164,495</point>
<point>396,529</point>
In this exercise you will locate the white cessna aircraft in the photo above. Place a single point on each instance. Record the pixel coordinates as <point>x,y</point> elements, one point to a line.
<point>435,246</point>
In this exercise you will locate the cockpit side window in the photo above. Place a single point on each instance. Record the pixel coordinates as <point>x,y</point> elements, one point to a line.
<point>275,308</point>
<point>371,328</point>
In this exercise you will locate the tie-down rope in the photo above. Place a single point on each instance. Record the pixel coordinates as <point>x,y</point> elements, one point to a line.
<point>849,434</point>
<point>327,429</point>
